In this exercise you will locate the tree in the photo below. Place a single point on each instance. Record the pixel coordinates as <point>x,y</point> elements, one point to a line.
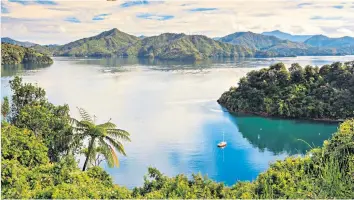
<point>24,94</point>
<point>309,93</point>
<point>103,136</point>
<point>5,108</point>
<point>30,109</point>
<point>51,124</point>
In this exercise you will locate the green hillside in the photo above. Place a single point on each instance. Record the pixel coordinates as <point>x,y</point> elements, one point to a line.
<point>170,46</point>
<point>12,54</point>
<point>105,44</point>
<point>343,45</point>
<point>259,41</point>
<point>167,46</point>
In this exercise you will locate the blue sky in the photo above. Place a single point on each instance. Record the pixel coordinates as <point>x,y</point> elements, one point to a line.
<point>100,17</point>
<point>154,16</point>
<point>61,21</point>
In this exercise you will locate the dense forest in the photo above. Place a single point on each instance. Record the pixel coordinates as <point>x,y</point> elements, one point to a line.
<point>325,93</point>
<point>40,142</point>
<point>13,54</point>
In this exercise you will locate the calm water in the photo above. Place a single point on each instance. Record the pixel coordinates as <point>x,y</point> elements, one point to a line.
<point>171,112</point>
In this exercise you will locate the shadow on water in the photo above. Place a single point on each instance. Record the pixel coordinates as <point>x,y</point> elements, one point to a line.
<point>282,135</point>
<point>19,69</point>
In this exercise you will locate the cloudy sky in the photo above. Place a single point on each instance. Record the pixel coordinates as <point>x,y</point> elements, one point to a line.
<point>62,21</point>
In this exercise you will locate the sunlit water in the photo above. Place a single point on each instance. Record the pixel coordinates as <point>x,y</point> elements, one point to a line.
<point>171,112</point>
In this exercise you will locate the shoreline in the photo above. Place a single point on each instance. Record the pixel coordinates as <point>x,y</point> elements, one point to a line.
<point>266,115</point>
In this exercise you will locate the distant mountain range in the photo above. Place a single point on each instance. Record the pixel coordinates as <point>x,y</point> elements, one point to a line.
<point>172,46</point>
<point>342,45</point>
<point>167,46</point>
<point>268,46</point>
<point>287,36</point>
<point>259,41</point>
<point>324,41</point>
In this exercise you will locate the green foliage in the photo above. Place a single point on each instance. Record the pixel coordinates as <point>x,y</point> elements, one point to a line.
<point>24,94</point>
<point>30,109</point>
<point>27,173</point>
<point>159,186</point>
<point>51,123</point>
<point>5,108</point>
<point>104,139</point>
<point>12,54</point>
<point>306,93</point>
<point>22,145</point>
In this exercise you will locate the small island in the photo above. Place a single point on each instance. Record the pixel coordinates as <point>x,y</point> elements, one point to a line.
<point>13,54</point>
<point>314,93</point>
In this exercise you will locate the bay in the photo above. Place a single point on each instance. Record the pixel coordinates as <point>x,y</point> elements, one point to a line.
<point>171,112</point>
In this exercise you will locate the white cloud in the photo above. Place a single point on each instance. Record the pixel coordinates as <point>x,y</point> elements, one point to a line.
<point>46,23</point>
<point>345,31</point>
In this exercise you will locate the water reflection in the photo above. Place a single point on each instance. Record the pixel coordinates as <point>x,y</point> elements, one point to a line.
<point>212,63</point>
<point>283,136</point>
<point>20,69</point>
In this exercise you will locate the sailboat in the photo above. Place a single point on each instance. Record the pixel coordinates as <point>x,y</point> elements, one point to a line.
<point>223,143</point>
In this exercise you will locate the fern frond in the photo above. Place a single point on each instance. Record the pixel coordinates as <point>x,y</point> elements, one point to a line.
<point>107,125</point>
<point>106,152</point>
<point>85,115</point>
<point>119,134</point>
<point>116,144</point>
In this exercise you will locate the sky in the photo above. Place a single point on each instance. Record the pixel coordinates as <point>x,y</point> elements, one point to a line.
<point>63,21</point>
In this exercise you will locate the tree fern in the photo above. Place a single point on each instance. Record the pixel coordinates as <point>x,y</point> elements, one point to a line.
<point>104,139</point>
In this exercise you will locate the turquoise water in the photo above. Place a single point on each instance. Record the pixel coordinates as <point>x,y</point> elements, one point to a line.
<point>170,109</point>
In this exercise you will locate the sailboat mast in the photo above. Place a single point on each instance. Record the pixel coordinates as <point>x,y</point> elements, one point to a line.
<point>223,137</point>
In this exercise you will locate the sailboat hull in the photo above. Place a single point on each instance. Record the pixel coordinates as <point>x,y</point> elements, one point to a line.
<point>222,144</point>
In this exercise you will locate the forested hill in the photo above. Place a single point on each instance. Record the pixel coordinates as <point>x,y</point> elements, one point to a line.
<point>325,93</point>
<point>167,46</point>
<point>13,54</point>
<point>259,41</point>
<point>171,46</point>
<point>106,44</point>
